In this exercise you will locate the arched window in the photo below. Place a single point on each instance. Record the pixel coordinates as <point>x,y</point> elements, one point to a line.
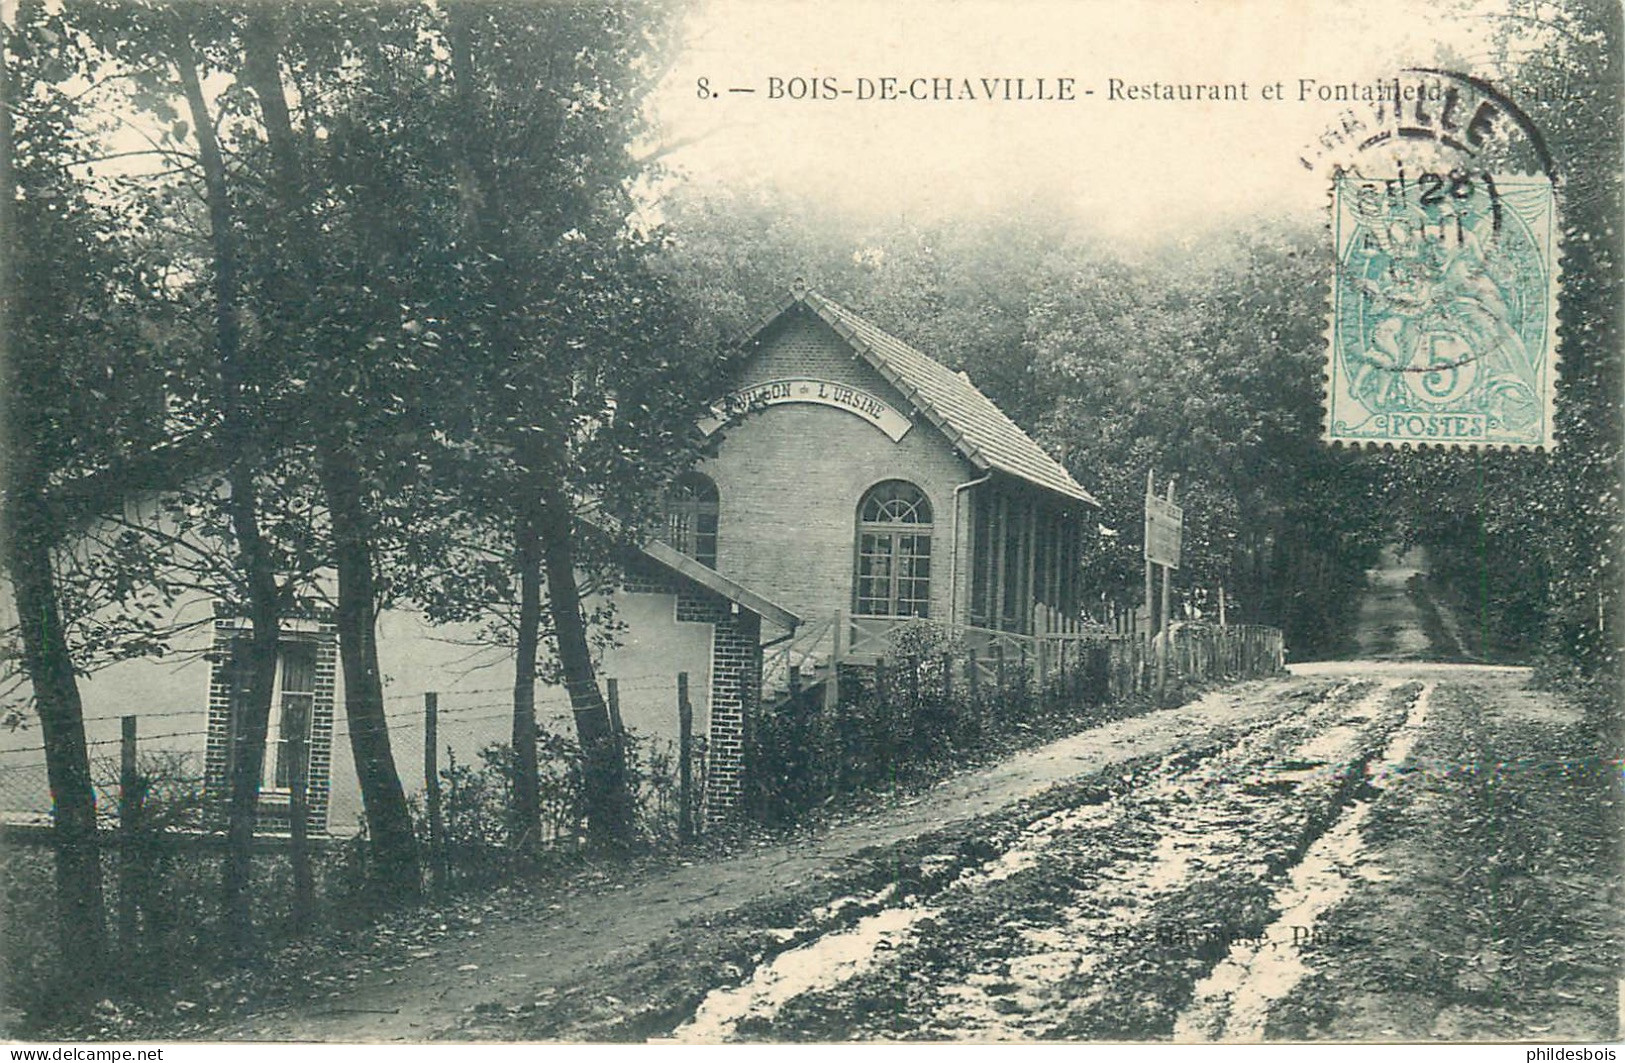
<point>691,517</point>
<point>894,551</point>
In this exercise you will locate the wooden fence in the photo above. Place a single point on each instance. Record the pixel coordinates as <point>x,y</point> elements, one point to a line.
<point>1194,652</point>
<point>936,696</point>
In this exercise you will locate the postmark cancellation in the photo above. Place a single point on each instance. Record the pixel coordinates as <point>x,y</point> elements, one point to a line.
<point>1443,309</point>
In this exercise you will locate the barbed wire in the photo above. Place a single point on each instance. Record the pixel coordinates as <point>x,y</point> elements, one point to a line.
<point>649,681</point>
<point>341,727</point>
<point>451,693</point>
<point>143,715</point>
<point>638,682</point>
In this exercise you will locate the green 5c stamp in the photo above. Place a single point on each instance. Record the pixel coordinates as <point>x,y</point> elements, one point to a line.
<point>1444,310</point>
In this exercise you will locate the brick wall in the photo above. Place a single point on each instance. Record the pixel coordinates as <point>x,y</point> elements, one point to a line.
<point>642,576</point>
<point>802,345</point>
<point>695,605</point>
<point>736,681</point>
<point>789,478</point>
<point>319,788</point>
<point>310,625</point>
<point>736,678</point>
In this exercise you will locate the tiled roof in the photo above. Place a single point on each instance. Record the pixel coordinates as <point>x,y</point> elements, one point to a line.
<point>978,429</point>
<point>710,578</point>
<point>591,516</point>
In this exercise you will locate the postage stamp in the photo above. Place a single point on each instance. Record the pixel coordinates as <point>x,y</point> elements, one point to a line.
<point>1444,309</point>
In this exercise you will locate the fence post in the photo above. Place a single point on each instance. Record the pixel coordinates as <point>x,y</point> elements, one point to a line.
<point>832,685</point>
<point>1060,670</point>
<point>972,672</point>
<point>996,706</point>
<point>1041,671</point>
<point>431,785</point>
<point>886,721</point>
<point>918,722</point>
<point>1026,677</point>
<point>304,882</point>
<point>685,761</point>
<point>130,800</point>
<point>613,698</point>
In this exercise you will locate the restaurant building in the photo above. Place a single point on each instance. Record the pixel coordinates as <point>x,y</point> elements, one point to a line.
<point>857,484</point>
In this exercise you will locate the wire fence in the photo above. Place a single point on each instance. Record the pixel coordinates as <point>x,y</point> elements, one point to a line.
<point>172,743</point>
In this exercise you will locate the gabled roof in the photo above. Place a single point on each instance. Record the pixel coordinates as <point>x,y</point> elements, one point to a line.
<point>978,429</point>
<point>712,580</point>
<point>668,557</point>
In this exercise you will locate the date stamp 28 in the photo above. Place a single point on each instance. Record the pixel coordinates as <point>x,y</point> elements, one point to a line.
<point>1444,309</point>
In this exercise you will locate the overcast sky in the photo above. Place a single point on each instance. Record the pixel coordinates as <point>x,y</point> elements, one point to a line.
<point>1145,167</point>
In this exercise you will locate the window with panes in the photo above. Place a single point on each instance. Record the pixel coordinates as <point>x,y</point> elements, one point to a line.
<point>894,551</point>
<point>691,517</point>
<point>293,704</point>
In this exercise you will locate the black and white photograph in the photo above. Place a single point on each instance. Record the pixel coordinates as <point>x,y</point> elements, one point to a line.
<point>780,522</point>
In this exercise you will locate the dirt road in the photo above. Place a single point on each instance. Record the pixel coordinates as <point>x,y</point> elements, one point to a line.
<point>583,936</point>
<point>1389,626</point>
<point>1384,849</point>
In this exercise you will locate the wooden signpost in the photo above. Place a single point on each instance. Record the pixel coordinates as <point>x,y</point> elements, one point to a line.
<point>1164,535</point>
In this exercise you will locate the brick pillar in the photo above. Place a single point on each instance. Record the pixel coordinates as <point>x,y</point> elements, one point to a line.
<point>736,684</point>
<point>217,747</point>
<point>319,786</point>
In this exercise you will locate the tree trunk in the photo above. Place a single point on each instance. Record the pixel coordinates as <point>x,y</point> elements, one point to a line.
<point>80,916</point>
<point>252,709</point>
<point>609,803</point>
<point>483,220</point>
<point>395,874</point>
<point>253,678</point>
<point>527,802</point>
<point>81,922</point>
<point>389,823</point>
<point>487,219</point>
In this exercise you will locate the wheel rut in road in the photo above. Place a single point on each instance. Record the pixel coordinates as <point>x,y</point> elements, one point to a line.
<point>1233,1002</point>
<point>1046,939</point>
<point>538,956</point>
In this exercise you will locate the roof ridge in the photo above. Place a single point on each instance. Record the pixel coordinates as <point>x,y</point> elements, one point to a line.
<point>983,435</point>
<point>883,366</point>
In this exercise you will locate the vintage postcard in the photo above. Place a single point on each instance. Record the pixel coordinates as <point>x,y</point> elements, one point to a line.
<point>989,522</point>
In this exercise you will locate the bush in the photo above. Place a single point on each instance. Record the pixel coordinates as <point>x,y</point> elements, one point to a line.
<point>895,723</point>
<point>476,803</point>
<point>173,861</point>
<point>931,707</point>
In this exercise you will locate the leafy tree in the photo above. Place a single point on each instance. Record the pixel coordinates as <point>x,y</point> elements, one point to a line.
<point>246,525</point>
<point>348,395</point>
<point>244,436</point>
<point>580,387</point>
<point>733,253</point>
<point>78,398</point>
<point>1531,541</point>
